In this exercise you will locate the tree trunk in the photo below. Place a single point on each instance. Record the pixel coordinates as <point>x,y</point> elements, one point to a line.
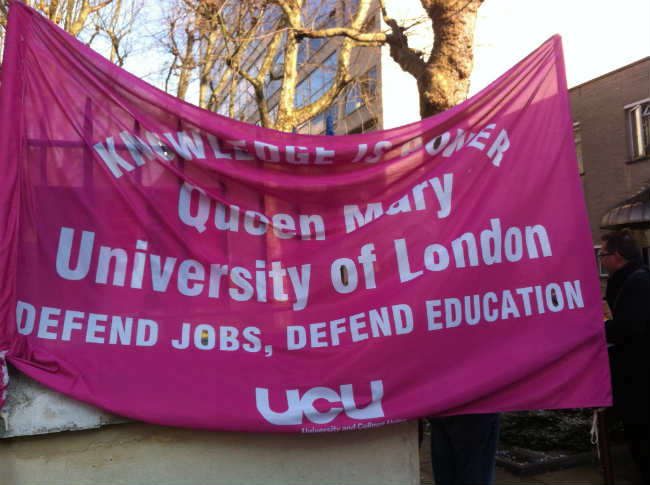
<point>445,81</point>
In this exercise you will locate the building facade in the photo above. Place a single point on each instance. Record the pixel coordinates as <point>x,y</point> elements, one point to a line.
<point>380,95</point>
<point>611,115</point>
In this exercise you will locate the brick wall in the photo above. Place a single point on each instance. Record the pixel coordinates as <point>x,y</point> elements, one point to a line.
<point>609,176</point>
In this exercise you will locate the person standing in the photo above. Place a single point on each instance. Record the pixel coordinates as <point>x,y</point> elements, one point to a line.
<point>463,448</point>
<point>628,290</point>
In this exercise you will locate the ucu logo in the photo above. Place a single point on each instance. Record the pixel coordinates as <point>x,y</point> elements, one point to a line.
<point>297,405</point>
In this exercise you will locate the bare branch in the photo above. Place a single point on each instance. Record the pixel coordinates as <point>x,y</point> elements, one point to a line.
<point>240,49</point>
<point>82,18</point>
<point>374,38</point>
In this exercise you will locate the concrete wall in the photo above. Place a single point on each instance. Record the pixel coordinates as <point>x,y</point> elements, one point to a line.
<point>143,453</point>
<point>50,438</point>
<point>33,409</point>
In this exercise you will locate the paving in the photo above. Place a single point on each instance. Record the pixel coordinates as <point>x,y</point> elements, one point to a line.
<point>589,473</point>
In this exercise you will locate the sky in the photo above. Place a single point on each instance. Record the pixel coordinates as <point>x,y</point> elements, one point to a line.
<point>598,36</point>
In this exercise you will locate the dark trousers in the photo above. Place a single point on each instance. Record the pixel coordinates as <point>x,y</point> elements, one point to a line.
<point>636,435</point>
<point>463,448</point>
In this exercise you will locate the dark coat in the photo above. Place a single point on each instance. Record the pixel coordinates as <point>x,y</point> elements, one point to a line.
<point>628,295</point>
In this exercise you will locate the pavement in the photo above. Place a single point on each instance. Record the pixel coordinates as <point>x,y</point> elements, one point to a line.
<point>591,473</point>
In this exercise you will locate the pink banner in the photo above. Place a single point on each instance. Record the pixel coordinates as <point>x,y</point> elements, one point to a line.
<point>178,267</point>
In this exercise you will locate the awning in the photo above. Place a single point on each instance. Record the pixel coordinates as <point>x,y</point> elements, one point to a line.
<point>635,210</point>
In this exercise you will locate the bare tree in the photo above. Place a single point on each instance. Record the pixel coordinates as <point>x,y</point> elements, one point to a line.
<point>255,49</point>
<point>443,74</point>
<point>90,19</point>
<point>252,48</point>
<point>117,22</point>
<point>198,37</point>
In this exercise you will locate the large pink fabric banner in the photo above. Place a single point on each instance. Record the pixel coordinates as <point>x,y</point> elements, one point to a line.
<point>178,267</point>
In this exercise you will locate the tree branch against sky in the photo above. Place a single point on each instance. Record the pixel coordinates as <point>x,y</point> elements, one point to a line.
<point>443,74</point>
<point>251,52</point>
<point>117,22</point>
<point>258,55</point>
<point>92,21</point>
<point>442,70</point>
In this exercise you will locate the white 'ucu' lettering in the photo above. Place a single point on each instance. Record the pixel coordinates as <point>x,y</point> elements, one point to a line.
<point>297,405</point>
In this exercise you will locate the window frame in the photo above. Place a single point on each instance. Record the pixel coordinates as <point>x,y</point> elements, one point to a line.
<point>602,272</point>
<point>362,92</point>
<point>638,129</point>
<point>577,143</point>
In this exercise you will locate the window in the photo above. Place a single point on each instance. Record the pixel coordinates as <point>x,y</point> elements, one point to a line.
<point>364,127</point>
<point>318,124</point>
<point>271,86</point>
<point>244,100</point>
<point>350,8</point>
<point>308,48</point>
<point>317,15</point>
<point>362,92</point>
<point>244,106</point>
<point>577,140</point>
<point>315,44</point>
<point>602,272</point>
<point>317,83</point>
<point>638,115</point>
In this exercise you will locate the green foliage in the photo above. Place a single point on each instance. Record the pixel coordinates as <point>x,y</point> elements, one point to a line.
<point>553,430</point>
